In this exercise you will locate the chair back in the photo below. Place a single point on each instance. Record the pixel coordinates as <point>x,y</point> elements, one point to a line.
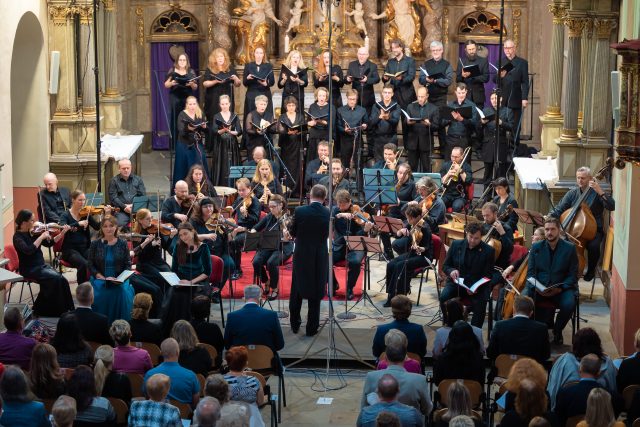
<point>121,410</point>
<point>504,362</point>
<point>211,350</point>
<point>629,393</point>
<point>263,384</point>
<point>136,381</point>
<point>437,415</point>
<point>474,387</point>
<point>94,345</point>
<point>201,380</point>
<point>217,267</point>
<point>260,356</point>
<point>152,349</point>
<point>57,246</point>
<point>67,372</point>
<point>12,255</point>
<point>184,408</point>
<point>573,421</point>
<point>48,404</point>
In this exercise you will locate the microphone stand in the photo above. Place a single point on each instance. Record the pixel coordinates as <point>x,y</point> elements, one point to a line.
<point>498,92</point>
<point>272,149</point>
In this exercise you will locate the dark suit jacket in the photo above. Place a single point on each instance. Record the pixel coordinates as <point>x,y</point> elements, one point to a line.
<point>310,227</point>
<point>94,326</point>
<point>483,267</point>
<point>515,85</point>
<point>519,335</point>
<point>629,373</point>
<point>563,269</point>
<point>417,340</point>
<point>572,399</point>
<point>253,324</point>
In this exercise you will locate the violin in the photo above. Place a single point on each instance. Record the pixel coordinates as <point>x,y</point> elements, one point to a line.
<point>51,227</point>
<point>162,228</point>
<point>89,210</point>
<point>219,224</point>
<point>428,202</point>
<point>134,236</point>
<point>416,233</point>
<point>359,216</point>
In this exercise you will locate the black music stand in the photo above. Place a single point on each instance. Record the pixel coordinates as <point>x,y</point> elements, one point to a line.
<point>153,203</point>
<point>267,240</point>
<point>236,172</point>
<point>380,184</point>
<point>94,199</point>
<point>386,224</point>
<point>530,217</point>
<point>369,245</point>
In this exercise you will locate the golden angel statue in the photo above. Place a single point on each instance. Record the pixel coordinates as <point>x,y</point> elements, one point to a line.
<point>252,27</point>
<point>404,23</point>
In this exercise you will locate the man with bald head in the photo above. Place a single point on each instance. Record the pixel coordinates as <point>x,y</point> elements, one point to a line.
<point>52,200</point>
<point>184,386</point>
<point>155,411</point>
<point>388,390</point>
<point>174,211</point>
<point>258,154</point>
<point>122,189</point>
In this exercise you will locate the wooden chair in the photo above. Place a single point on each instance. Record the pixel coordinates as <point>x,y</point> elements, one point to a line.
<point>573,421</point>
<point>122,411</point>
<point>201,380</point>
<point>437,415</point>
<point>14,265</point>
<point>435,265</point>
<point>136,384</point>
<point>211,350</point>
<point>628,395</point>
<point>263,360</point>
<point>474,387</point>
<point>267,394</point>
<point>152,349</point>
<point>184,408</point>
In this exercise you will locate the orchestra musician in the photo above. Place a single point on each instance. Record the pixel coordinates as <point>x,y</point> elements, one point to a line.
<point>319,167</point>
<point>419,137</point>
<point>293,78</point>
<point>257,124</point>
<point>319,126</point>
<point>199,184</point>
<point>346,223</point>
<point>122,190</point>
<point>489,139</point>
<point>290,128</point>
<point>470,259</point>
<point>264,183</point>
<point>181,81</point>
<point>190,149</point>
<point>501,231</point>
<point>258,154</point>
<point>504,199</point>
<point>349,119</point>
<point>321,78</point>
<point>459,129</point>
<point>247,214</point>
<point>390,159</point>
<point>337,177</point>
<point>456,177</point>
<point>597,201</point>
<point>52,199</point>
<point>406,192</point>
<point>176,207</point>
<point>258,78</point>
<point>383,122</point>
<point>554,261</point>
<point>474,83</point>
<point>266,262</point>
<point>537,236</point>
<point>226,150</point>
<point>219,79</point>
<point>399,269</point>
<point>55,295</point>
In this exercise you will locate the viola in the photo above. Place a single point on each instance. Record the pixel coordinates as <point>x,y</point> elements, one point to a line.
<point>162,228</point>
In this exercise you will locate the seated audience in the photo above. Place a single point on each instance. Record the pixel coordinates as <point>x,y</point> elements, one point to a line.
<point>94,326</point>
<point>208,332</point>
<point>45,378</point>
<point>462,357</point>
<point>192,355</point>
<point>15,349</point>
<point>387,419</point>
<point>599,410</point>
<point>18,405</point>
<point>413,387</point>
<point>388,390</point>
<point>185,387</point>
<point>401,310</point>
<point>92,409</point>
<point>216,386</point>
<point>566,367</point>
<point>142,330</point>
<point>242,387</point>
<point>410,365</point>
<point>155,411</point>
<point>520,335</point>
<point>572,399</point>
<point>207,412</point>
<point>530,402</point>
<point>69,343</point>
<point>108,382</point>
<point>459,403</point>
<point>522,369</point>
<point>461,421</point>
<point>64,411</point>
<point>454,312</point>
<point>629,372</point>
<point>235,414</point>
<point>127,358</point>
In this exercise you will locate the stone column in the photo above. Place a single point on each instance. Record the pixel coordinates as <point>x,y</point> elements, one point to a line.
<point>600,114</point>
<point>587,46</point>
<point>87,60</point>
<point>572,80</point>
<point>62,39</point>
<point>552,118</point>
<point>110,49</point>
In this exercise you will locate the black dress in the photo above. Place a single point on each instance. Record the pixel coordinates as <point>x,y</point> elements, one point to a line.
<point>190,147</point>
<point>226,150</point>
<point>212,94</point>
<point>145,331</point>
<point>320,131</point>
<point>273,186</point>
<point>254,138</point>
<point>75,247</point>
<point>210,333</point>
<point>178,95</point>
<point>291,88</point>
<point>290,146</point>
<point>336,86</point>
<point>254,88</point>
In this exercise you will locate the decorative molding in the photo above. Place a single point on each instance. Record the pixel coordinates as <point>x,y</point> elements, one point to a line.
<point>140,26</point>
<point>575,25</point>
<point>109,5</point>
<point>604,27</point>
<point>481,23</point>
<point>559,11</point>
<point>175,21</point>
<point>86,14</point>
<point>445,25</point>
<point>210,26</point>
<point>60,14</point>
<point>517,13</point>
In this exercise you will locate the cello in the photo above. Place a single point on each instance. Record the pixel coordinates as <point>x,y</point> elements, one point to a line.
<point>495,242</point>
<point>518,282</point>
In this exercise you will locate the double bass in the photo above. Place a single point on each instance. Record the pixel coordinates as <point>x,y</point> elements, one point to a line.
<point>492,241</point>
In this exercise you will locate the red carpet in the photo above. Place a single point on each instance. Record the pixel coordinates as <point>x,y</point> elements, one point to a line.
<point>285,280</point>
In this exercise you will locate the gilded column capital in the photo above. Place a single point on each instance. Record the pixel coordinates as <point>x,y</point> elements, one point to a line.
<point>86,14</point>
<point>61,13</point>
<point>515,26</point>
<point>576,25</point>
<point>558,11</point>
<point>604,27</point>
<point>109,5</point>
<point>140,26</point>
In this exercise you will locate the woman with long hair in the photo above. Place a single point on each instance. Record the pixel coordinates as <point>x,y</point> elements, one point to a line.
<point>181,82</point>
<point>459,403</point>
<point>45,377</point>
<point>71,348</point>
<point>142,330</point>
<point>91,407</point>
<point>324,73</point>
<point>600,411</point>
<point>454,312</point>
<point>523,369</point>
<point>530,402</point>
<point>265,183</point>
<point>199,185</point>
<point>19,407</point>
<point>291,141</point>
<point>462,357</point>
<point>190,150</point>
<point>192,356</point>
<point>318,122</point>
<point>226,127</point>
<point>108,382</point>
<point>293,78</point>
<point>219,79</point>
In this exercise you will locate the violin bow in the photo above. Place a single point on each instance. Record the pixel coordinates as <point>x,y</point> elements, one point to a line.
<point>158,212</point>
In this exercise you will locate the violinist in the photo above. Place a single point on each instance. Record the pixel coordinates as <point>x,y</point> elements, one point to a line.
<point>348,222</point>
<point>504,199</point>
<point>199,184</point>
<point>265,183</point>
<point>458,176</point>
<point>176,208</point>
<point>247,213</point>
<point>406,192</point>
<point>318,168</point>
<point>400,268</point>
<point>597,201</point>
<point>337,178</point>
<point>318,121</point>
<point>383,122</point>
<point>52,200</point>
<point>54,297</point>
<point>192,127</point>
<point>554,261</point>
<point>122,189</point>
<point>77,239</point>
<point>390,158</point>
<point>500,231</point>
<point>291,128</point>
<point>267,260</point>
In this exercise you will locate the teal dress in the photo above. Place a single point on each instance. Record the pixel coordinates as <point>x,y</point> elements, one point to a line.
<point>113,300</point>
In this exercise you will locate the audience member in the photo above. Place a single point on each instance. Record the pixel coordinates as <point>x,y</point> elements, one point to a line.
<point>234,414</point>
<point>459,403</point>
<point>461,421</point>
<point>46,379</point>
<point>216,386</point>
<point>185,387</point>
<point>530,402</point>
<point>387,419</point>
<point>155,411</point>
<point>572,398</point>
<point>207,412</point>
<point>69,343</point>
<point>410,365</point>
<point>401,310</point>
<point>15,349</point>
<point>539,422</point>
<point>192,355</point>
<point>253,324</point>
<point>388,390</point>
<point>520,335</point>
<point>566,367</point>
<point>127,358</point>
<point>629,372</point>
<point>91,407</point>
<point>454,312</point>
<point>18,405</point>
<point>93,326</point>
<point>208,332</point>
<point>108,382</point>
<point>142,330</point>
<point>522,369</point>
<point>242,387</point>
<point>462,357</point>
<point>64,411</point>
<point>413,387</point>
<point>599,410</point>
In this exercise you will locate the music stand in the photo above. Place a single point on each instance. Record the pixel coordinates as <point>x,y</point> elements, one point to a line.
<point>94,199</point>
<point>267,240</point>
<point>530,217</point>
<point>386,224</point>
<point>153,203</point>
<point>236,172</point>
<point>367,245</point>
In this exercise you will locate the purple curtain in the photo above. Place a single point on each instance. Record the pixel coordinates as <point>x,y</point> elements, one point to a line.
<point>494,53</point>
<point>161,62</point>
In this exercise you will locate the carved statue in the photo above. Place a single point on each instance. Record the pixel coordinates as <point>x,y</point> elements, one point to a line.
<point>252,27</point>
<point>296,15</point>
<point>335,13</point>
<point>358,17</point>
<point>404,23</point>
